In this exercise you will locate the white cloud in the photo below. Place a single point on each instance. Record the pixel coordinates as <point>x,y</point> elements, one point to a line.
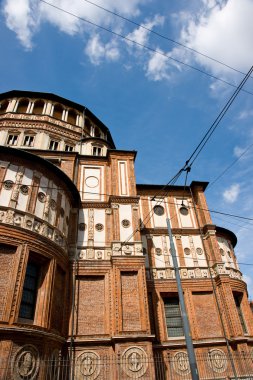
<point>231,194</point>
<point>23,17</point>
<point>222,30</point>
<point>20,19</point>
<point>157,67</point>
<point>141,34</point>
<point>97,51</point>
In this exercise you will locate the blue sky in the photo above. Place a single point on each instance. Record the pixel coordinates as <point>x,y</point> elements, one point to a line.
<point>149,102</point>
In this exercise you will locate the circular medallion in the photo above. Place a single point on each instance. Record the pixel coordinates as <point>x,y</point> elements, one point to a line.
<point>187,251</point>
<point>99,255</point>
<point>8,185</point>
<point>125,223</point>
<point>184,210</point>
<point>53,204</point>
<point>181,363</point>
<point>158,251</point>
<point>26,363</point>
<point>88,365</point>
<point>99,227</point>
<point>217,360</point>
<point>158,210</point>
<point>199,251</point>
<point>41,196</point>
<point>82,226</point>
<point>24,189</point>
<point>91,182</point>
<point>134,362</point>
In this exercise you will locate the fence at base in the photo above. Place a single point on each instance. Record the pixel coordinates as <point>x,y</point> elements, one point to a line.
<point>89,365</point>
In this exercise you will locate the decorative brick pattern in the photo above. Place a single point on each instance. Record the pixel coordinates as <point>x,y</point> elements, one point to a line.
<point>91,305</point>
<point>131,319</point>
<point>208,324</point>
<point>6,259</point>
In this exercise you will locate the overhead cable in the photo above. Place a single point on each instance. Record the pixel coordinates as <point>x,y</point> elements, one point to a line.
<point>142,26</point>
<point>144,46</point>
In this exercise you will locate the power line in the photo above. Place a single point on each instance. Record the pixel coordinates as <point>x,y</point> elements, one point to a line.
<point>163,36</point>
<point>144,46</point>
<point>216,122</point>
<point>141,197</point>
<point>230,166</point>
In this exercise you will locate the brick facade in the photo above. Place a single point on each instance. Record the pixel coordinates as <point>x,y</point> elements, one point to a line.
<point>85,258</point>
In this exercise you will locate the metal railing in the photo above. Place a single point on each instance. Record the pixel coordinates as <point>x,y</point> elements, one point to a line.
<point>89,365</point>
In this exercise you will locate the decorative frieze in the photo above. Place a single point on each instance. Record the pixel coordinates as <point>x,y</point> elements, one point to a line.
<point>30,222</point>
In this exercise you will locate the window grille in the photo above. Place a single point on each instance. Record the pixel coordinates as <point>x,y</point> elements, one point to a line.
<point>238,300</point>
<point>173,317</point>
<point>29,296</point>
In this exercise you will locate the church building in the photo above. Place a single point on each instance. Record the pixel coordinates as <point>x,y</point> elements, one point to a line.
<point>87,282</point>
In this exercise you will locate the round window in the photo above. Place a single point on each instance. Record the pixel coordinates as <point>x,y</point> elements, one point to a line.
<point>158,251</point>
<point>184,210</point>
<point>159,210</point>
<point>199,251</point>
<point>99,227</point>
<point>41,196</point>
<point>125,223</point>
<point>82,226</point>
<point>8,185</point>
<point>187,251</point>
<point>24,189</point>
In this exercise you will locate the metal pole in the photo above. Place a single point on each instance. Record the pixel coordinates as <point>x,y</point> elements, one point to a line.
<point>186,326</point>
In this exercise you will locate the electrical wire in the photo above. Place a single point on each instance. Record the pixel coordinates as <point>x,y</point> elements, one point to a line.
<point>141,197</point>
<point>229,166</point>
<point>163,36</point>
<point>144,46</point>
<point>216,122</point>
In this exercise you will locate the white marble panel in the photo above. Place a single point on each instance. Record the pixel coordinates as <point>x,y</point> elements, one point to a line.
<point>82,234</point>
<point>125,212</point>
<point>184,220</point>
<point>5,195</point>
<point>22,198</point>
<point>200,254</point>
<point>123,178</point>
<point>43,188</point>
<point>187,257</point>
<point>92,183</point>
<point>99,236</point>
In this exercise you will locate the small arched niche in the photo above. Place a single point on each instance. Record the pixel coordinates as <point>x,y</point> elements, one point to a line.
<point>22,106</point>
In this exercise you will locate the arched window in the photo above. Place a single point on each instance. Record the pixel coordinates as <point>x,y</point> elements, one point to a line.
<point>72,117</point>
<point>87,125</point>
<point>38,107</point>
<point>3,106</point>
<point>58,110</point>
<point>97,132</point>
<point>22,106</point>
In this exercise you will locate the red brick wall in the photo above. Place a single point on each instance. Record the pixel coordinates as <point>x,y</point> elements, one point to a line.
<point>58,300</point>
<point>208,324</point>
<point>131,318</point>
<point>6,275</point>
<point>91,305</point>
